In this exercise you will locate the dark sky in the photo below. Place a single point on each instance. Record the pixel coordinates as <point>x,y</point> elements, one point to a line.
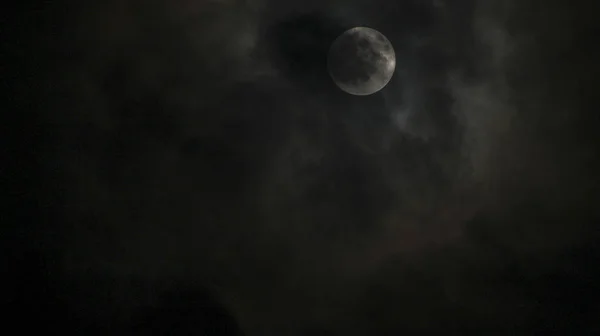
<point>188,167</point>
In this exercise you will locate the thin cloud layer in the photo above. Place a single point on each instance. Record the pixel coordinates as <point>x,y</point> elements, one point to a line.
<point>201,146</point>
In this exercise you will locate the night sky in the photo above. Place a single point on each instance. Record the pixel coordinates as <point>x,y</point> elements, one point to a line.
<point>188,167</point>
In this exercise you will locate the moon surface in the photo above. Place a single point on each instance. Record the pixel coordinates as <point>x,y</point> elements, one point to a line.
<point>361,61</point>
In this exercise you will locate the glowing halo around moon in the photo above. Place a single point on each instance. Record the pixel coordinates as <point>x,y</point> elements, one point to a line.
<point>361,61</point>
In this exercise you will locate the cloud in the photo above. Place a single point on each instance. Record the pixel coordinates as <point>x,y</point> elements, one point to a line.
<point>201,144</point>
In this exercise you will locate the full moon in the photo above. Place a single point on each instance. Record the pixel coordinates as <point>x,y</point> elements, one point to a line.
<point>361,61</point>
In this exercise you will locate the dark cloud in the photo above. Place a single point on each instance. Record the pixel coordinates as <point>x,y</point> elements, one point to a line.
<point>196,157</point>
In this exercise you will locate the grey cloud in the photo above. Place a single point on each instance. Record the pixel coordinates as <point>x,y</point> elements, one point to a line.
<point>200,144</point>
